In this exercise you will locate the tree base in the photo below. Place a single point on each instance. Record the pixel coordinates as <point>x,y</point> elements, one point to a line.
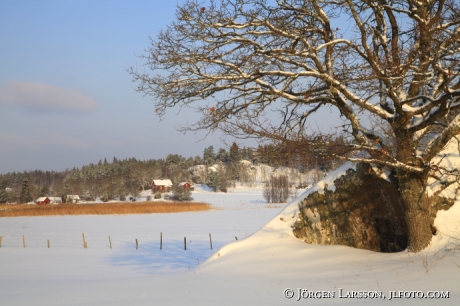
<point>364,211</point>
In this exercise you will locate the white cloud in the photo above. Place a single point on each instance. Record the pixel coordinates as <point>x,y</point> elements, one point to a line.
<point>45,97</point>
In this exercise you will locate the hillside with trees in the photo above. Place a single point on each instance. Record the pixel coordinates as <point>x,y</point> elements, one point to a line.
<point>219,169</point>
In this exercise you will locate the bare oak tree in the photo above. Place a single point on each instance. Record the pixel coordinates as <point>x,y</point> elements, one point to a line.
<point>395,60</point>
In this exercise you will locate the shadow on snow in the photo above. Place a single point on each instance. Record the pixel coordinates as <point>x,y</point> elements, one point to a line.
<point>149,259</point>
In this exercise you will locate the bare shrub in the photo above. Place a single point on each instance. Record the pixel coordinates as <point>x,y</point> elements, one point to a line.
<point>277,189</point>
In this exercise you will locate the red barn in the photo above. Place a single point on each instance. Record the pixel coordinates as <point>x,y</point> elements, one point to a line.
<point>43,200</point>
<point>185,185</point>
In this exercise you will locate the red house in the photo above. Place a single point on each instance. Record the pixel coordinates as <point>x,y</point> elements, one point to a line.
<point>161,185</point>
<point>185,185</point>
<point>43,200</point>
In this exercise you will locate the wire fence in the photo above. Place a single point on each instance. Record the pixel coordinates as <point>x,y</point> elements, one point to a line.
<point>97,242</point>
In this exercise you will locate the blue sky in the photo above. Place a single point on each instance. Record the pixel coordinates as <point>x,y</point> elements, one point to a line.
<point>66,99</point>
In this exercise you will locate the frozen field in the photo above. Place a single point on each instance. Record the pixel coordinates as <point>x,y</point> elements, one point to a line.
<point>255,270</point>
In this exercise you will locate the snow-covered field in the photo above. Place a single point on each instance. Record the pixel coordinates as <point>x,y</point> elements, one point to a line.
<point>259,269</point>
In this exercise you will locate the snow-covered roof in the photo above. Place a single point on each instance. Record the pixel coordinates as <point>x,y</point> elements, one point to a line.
<point>166,183</point>
<point>73,197</point>
<point>52,199</point>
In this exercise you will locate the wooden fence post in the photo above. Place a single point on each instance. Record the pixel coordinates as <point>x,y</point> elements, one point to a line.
<point>161,241</point>
<point>110,242</point>
<point>185,243</point>
<point>210,240</point>
<point>23,241</point>
<point>137,244</point>
<point>48,243</point>
<point>85,245</point>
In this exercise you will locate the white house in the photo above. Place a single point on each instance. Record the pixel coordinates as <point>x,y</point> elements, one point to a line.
<point>72,199</point>
<point>55,200</point>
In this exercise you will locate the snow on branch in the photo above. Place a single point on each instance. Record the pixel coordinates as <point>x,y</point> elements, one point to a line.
<point>392,165</point>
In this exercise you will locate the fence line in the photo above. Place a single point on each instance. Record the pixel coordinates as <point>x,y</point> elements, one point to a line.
<point>85,242</point>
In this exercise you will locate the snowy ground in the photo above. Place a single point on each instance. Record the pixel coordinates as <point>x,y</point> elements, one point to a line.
<point>258,269</point>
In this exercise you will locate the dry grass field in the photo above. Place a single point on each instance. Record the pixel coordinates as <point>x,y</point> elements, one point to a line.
<point>121,208</point>
<point>274,206</point>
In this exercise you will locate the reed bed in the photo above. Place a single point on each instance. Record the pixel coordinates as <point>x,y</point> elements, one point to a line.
<point>274,206</point>
<point>121,208</point>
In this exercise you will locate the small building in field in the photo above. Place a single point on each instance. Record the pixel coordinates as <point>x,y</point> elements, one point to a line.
<point>186,185</point>
<point>49,200</point>
<point>55,200</point>
<point>161,185</point>
<point>43,200</point>
<point>71,198</point>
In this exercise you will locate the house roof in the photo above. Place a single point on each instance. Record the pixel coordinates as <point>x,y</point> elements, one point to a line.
<point>41,199</point>
<point>73,197</point>
<point>184,183</point>
<point>166,183</point>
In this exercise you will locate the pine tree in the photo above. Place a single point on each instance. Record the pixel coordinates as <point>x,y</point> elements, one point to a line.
<point>25,192</point>
<point>234,153</point>
<point>222,155</point>
<point>44,192</point>
<point>3,192</point>
<point>213,181</point>
<point>234,158</point>
<point>209,156</point>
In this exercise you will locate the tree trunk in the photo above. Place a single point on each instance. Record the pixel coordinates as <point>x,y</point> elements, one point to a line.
<point>412,187</point>
<point>417,211</point>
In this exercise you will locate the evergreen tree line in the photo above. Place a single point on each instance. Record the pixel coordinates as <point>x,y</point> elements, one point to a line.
<point>120,178</point>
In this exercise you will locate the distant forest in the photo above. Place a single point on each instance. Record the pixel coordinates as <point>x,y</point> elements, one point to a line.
<point>118,178</point>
